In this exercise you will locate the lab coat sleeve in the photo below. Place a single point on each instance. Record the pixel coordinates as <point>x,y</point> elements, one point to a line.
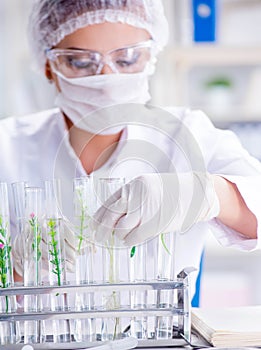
<point>225,156</point>
<point>249,187</point>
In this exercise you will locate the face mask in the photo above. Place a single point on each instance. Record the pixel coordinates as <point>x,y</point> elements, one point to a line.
<point>81,97</point>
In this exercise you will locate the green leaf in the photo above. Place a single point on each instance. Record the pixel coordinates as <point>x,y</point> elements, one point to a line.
<point>133,251</point>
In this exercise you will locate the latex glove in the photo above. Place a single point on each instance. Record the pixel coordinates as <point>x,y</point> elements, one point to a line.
<point>18,250</point>
<point>156,203</point>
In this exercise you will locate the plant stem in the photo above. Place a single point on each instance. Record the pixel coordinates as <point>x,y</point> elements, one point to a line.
<point>164,244</point>
<point>54,252</point>
<point>5,259</point>
<point>81,228</point>
<point>36,242</point>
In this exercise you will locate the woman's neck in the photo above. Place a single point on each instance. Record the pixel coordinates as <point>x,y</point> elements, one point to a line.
<point>92,150</point>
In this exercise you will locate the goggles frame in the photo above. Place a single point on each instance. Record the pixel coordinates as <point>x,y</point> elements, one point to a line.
<point>102,58</point>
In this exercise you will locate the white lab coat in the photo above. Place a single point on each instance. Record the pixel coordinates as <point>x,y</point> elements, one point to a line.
<point>36,147</point>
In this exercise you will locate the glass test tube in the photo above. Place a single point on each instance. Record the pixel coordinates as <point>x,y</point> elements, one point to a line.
<point>18,189</point>
<point>33,330</point>
<point>84,207</point>
<point>137,263</point>
<point>9,330</point>
<point>56,257</point>
<point>111,327</point>
<point>165,298</point>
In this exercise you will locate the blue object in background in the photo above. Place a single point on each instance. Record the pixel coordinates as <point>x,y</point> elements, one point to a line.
<point>196,298</point>
<point>204,17</point>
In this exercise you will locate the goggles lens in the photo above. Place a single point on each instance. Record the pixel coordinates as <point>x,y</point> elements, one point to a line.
<point>81,63</point>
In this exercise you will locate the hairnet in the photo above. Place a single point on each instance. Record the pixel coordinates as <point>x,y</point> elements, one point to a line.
<point>51,20</point>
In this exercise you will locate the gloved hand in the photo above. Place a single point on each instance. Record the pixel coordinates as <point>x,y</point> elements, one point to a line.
<point>152,204</point>
<point>69,244</point>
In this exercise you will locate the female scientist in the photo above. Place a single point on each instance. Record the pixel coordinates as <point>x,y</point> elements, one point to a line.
<point>186,176</point>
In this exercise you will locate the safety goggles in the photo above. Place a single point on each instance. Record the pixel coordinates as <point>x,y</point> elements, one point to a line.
<point>74,63</point>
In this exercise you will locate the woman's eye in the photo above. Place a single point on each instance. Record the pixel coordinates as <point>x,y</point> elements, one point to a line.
<point>80,64</point>
<point>126,62</point>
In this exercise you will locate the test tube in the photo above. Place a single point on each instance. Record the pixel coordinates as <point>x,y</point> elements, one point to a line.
<point>33,330</point>
<point>56,257</point>
<point>111,327</point>
<point>84,207</point>
<point>9,330</point>
<point>18,190</point>
<point>137,262</point>
<point>165,272</point>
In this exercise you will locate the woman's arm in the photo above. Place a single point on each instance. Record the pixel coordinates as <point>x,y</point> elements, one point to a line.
<point>233,210</point>
<point>17,278</point>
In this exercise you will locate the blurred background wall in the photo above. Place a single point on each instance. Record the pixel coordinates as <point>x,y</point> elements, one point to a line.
<point>220,74</point>
<point>22,89</point>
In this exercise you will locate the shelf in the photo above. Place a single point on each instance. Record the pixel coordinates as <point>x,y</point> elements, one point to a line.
<point>184,66</point>
<point>213,54</point>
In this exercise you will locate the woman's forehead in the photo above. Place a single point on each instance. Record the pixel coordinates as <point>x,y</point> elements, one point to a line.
<point>104,37</point>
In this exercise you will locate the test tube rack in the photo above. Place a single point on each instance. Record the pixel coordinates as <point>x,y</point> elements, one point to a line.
<point>179,311</point>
